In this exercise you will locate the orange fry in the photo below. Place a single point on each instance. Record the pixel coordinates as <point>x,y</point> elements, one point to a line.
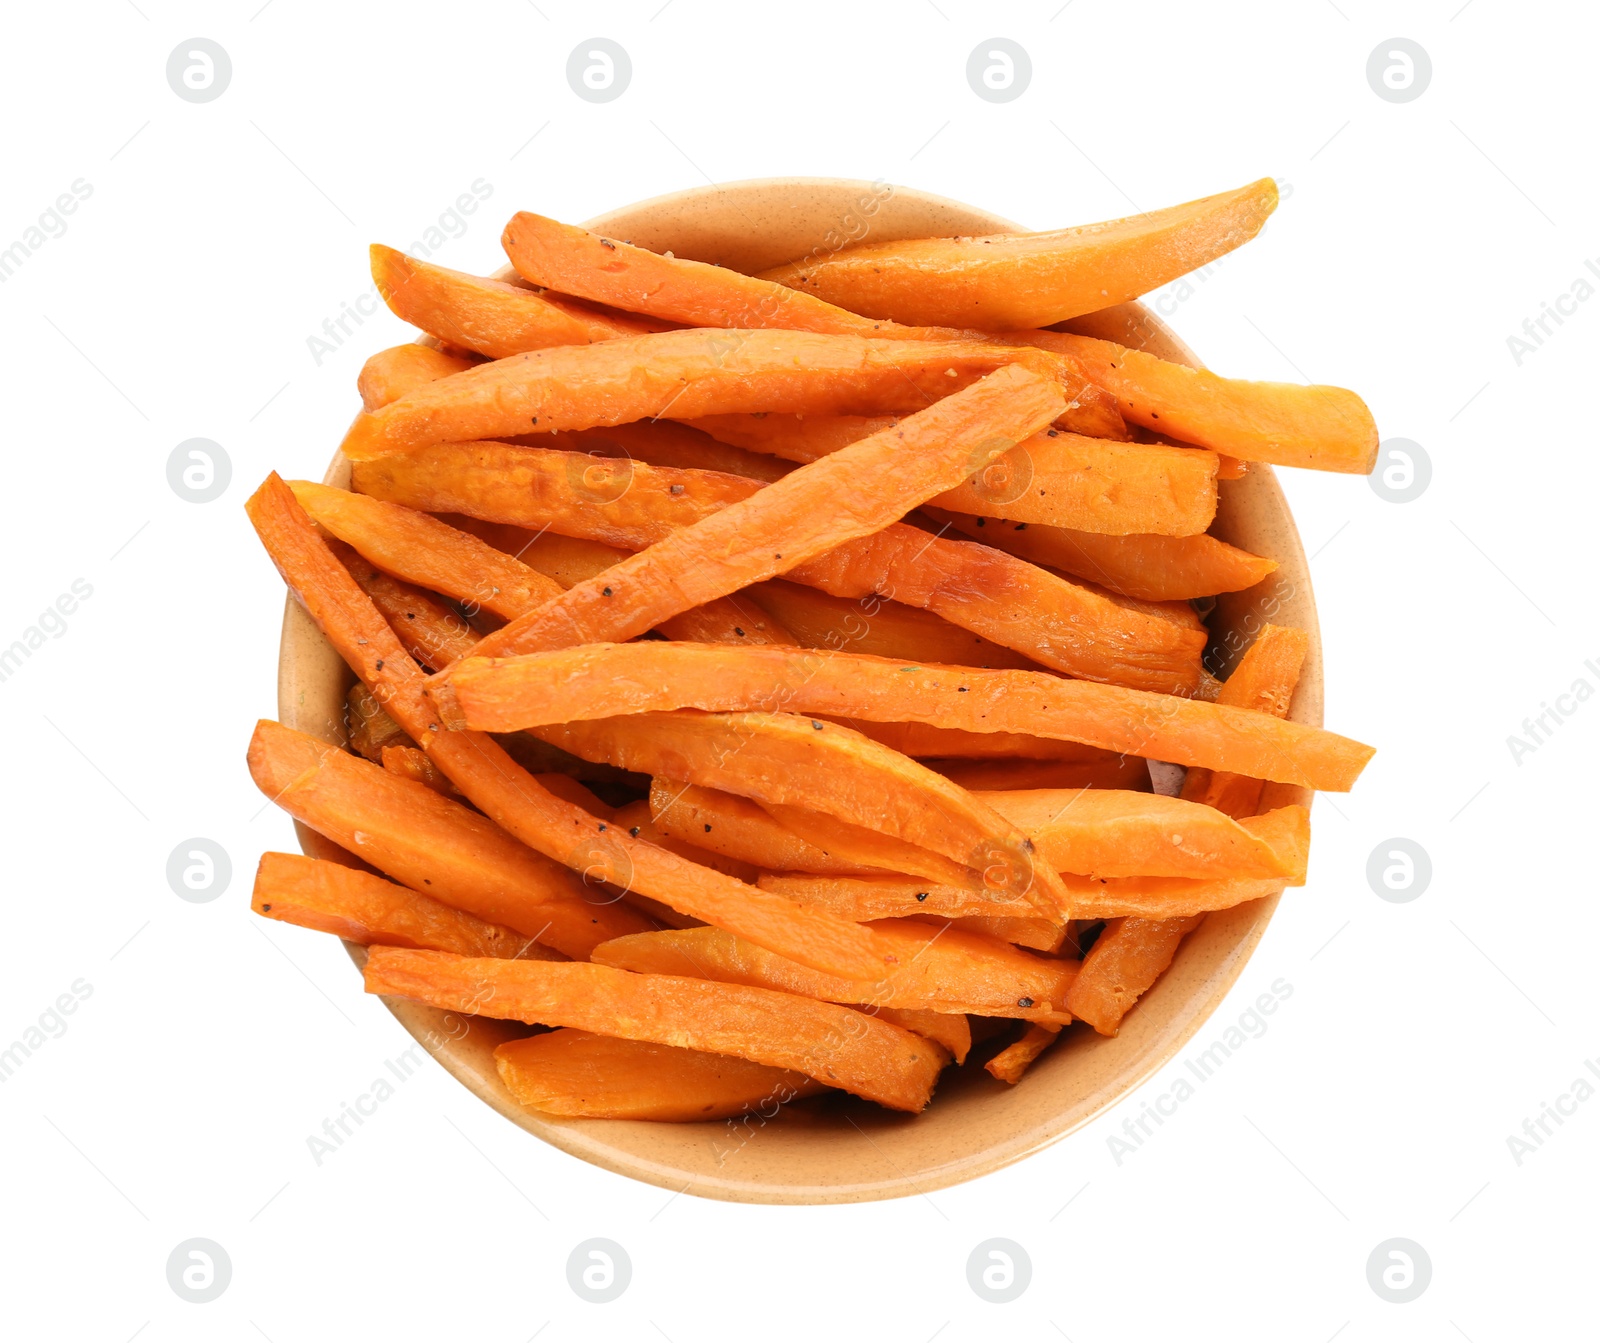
<point>1151,568</point>
<point>390,374</point>
<point>1126,959</point>
<point>604,680</point>
<point>579,1075</point>
<point>422,550</point>
<point>1008,281</point>
<point>489,316</point>
<point>1323,428</point>
<point>1104,832</point>
<point>835,1045</point>
<point>360,907</point>
<point>687,374</point>
<point>1011,1062</point>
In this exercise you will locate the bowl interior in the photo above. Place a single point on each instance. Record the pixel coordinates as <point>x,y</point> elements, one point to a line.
<point>838,1149</point>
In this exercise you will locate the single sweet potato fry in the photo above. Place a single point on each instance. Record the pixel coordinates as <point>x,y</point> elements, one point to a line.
<point>1126,959</point>
<point>940,970</point>
<point>985,591</point>
<point>507,793</point>
<point>432,844</point>
<point>489,316</point>
<point>790,760</point>
<point>878,626</point>
<point>603,680</point>
<point>739,830</point>
<point>1264,680</point>
<point>808,513</point>
<point>420,549</point>
<point>1150,568</point>
<point>1009,281</point>
<point>686,374</point>
<point>835,1045</point>
<point>1322,428</point>
<point>1014,1060</point>
<point>579,1075</point>
<point>360,907</point>
<point>1104,832</point>
<point>391,374</point>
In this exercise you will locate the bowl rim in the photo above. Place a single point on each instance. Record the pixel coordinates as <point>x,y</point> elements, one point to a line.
<point>464,1049</point>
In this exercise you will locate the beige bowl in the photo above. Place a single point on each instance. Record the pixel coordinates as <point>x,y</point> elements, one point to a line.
<point>839,1150</point>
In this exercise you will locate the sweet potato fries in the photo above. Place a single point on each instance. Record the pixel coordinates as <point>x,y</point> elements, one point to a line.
<point>759,680</point>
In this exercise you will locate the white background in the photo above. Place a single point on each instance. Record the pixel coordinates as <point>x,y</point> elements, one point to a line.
<point>1412,241</point>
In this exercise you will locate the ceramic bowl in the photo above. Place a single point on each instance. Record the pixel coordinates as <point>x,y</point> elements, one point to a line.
<point>839,1150</point>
